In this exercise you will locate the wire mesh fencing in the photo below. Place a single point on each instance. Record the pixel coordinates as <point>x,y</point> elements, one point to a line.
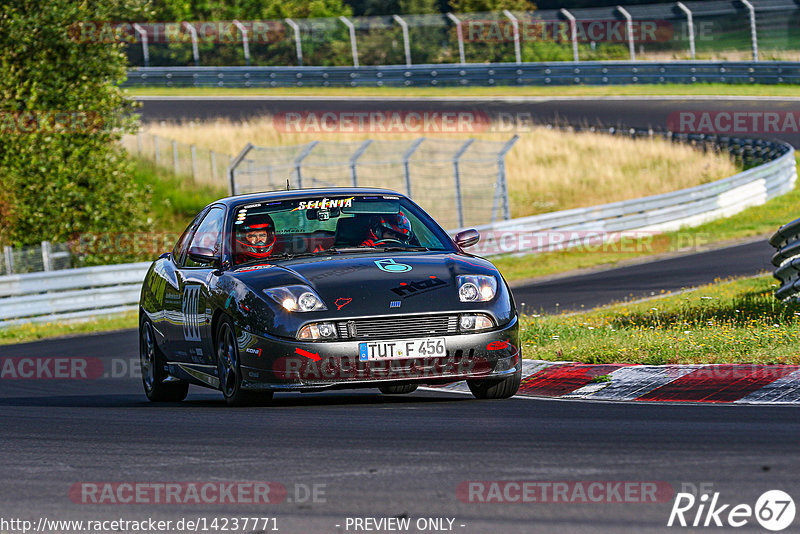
<point>44,257</point>
<point>459,182</point>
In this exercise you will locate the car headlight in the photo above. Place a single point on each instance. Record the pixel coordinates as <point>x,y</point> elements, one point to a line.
<point>475,321</point>
<point>317,331</point>
<point>298,298</point>
<point>476,288</point>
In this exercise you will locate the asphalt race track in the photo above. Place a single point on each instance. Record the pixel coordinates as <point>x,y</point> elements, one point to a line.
<point>376,456</point>
<point>640,112</point>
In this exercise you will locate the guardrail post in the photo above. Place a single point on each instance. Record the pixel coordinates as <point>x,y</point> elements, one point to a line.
<point>175,156</point>
<point>460,36</point>
<point>406,157</point>
<point>8,252</point>
<point>629,26</point>
<point>689,26</point>
<point>502,184</point>
<point>194,162</point>
<point>145,49</point>
<point>753,35</point>
<point>353,46</point>
<point>156,150</point>
<point>406,44</point>
<point>354,159</point>
<point>298,162</point>
<point>245,41</point>
<point>195,50</point>
<point>573,28</point>
<point>457,179</point>
<point>235,163</point>
<point>297,41</point>
<point>515,25</point>
<point>47,261</point>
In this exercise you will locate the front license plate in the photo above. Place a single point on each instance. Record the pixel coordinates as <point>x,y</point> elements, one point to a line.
<point>430,347</point>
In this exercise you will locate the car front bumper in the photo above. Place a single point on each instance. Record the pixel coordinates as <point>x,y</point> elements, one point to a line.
<point>271,363</point>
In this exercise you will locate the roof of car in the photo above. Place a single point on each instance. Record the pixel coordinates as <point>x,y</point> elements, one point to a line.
<point>304,193</point>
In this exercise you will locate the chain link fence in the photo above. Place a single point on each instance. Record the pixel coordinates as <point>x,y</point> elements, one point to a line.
<point>44,257</point>
<point>714,29</point>
<point>201,164</point>
<point>459,182</point>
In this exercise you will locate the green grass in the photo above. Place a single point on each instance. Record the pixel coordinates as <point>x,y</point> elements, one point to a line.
<point>36,331</point>
<point>699,89</point>
<point>755,221</point>
<point>736,321</point>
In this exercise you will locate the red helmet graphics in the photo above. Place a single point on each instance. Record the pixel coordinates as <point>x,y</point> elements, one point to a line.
<point>255,238</point>
<point>396,227</point>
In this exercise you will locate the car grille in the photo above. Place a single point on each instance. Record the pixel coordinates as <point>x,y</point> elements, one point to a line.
<point>398,327</point>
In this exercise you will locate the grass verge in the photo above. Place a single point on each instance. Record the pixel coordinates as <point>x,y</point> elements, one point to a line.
<point>735,321</point>
<point>667,89</point>
<point>36,331</point>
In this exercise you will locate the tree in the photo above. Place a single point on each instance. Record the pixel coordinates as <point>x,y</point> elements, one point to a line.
<point>472,6</point>
<point>62,169</point>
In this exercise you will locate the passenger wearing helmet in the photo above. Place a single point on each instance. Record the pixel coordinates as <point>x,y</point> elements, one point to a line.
<point>386,228</point>
<point>255,238</point>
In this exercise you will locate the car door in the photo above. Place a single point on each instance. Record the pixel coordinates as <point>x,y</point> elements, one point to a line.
<point>196,313</point>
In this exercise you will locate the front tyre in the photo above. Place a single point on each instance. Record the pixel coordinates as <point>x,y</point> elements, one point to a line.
<point>153,373</point>
<point>230,372</point>
<point>398,390</point>
<point>496,389</point>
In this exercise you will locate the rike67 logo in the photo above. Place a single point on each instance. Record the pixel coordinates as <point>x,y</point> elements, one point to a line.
<point>774,510</point>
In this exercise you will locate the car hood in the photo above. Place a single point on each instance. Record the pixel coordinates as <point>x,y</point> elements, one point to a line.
<point>367,284</point>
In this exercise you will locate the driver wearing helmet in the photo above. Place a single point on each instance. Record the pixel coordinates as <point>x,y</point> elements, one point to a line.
<point>255,238</point>
<point>385,228</point>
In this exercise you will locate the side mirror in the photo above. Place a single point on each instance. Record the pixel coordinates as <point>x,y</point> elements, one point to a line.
<point>202,255</point>
<point>467,238</point>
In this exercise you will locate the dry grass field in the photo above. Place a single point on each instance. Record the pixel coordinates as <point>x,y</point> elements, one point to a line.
<point>548,169</point>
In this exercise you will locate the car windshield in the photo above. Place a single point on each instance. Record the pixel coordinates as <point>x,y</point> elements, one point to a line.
<point>335,224</point>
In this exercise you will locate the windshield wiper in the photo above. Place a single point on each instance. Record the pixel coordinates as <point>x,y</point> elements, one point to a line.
<point>396,248</point>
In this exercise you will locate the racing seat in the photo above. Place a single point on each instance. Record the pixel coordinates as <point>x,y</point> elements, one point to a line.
<point>351,231</point>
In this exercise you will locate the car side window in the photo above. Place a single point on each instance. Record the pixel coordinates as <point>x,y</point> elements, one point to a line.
<point>208,236</point>
<point>183,241</point>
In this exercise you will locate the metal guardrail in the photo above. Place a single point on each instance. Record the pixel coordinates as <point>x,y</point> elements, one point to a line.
<point>659,213</point>
<point>787,259</point>
<point>70,293</point>
<point>486,74</point>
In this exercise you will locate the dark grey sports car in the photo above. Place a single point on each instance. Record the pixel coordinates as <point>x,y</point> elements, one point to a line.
<point>324,288</point>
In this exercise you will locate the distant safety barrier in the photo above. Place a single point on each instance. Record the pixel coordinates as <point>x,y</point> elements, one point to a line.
<point>787,259</point>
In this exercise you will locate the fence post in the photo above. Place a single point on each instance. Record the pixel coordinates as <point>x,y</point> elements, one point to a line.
<point>156,150</point>
<point>138,142</point>
<point>195,50</point>
<point>515,25</point>
<point>145,50</point>
<point>406,44</point>
<point>297,41</point>
<point>629,26</point>
<point>460,35</point>
<point>689,26</point>
<point>406,157</point>
<point>353,46</point>
<point>298,161</point>
<point>213,165</point>
<point>245,41</point>
<point>573,28</point>
<point>175,156</point>
<point>354,158</point>
<point>753,35</point>
<point>47,261</point>
<point>8,252</point>
<point>502,184</point>
<point>235,163</point>
<point>194,162</point>
<point>457,178</point>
